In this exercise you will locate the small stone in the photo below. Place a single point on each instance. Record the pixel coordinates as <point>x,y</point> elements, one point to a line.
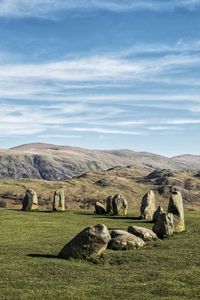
<point>164,226</point>
<point>142,232</point>
<point>158,211</point>
<point>123,240</point>
<point>99,208</point>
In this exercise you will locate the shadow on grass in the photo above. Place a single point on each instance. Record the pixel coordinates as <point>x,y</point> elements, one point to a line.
<point>43,255</point>
<point>30,211</point>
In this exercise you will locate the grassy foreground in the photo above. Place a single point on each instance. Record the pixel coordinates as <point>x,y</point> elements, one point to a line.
<point>29,269</point>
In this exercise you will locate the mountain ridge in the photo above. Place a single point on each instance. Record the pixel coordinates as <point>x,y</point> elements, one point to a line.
<point>57,162</point>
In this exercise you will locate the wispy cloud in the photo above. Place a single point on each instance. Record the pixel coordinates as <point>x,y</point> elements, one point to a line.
<point>105,131</point>
<point>48,8</point>
<point>71,78</point>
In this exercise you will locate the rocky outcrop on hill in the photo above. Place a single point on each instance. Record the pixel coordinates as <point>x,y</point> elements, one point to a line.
<point>164,180</point>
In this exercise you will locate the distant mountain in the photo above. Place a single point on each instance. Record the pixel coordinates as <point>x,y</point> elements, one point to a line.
<point>191,161</point>
<point>53,162</point>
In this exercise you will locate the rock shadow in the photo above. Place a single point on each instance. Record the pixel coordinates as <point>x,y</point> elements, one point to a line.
<point>42,255</point>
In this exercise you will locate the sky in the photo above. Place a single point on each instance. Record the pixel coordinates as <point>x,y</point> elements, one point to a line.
<point>101,74</point>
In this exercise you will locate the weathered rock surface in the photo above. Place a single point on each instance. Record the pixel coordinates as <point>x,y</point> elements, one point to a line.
<point>99,208</point>
<point>91,241</point>
<point>109,205</point>
<point>30,201</point>
<point>120,205</point>
<point>148,206</point>
<point>102,182</point>
<point>176,208</point>
<point>59,200</point>
<point>142,232</point>
<point>164,225</point>
<point>123,240</point>
<point>158,211</point>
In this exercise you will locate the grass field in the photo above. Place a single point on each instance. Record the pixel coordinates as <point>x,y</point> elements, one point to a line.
<point>29,268</point>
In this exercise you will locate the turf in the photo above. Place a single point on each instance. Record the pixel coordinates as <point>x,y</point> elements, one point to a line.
<point>30,269</point>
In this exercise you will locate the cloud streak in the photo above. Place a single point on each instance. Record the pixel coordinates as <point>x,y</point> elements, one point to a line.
<point>48,8</point>
<point>71,79</point>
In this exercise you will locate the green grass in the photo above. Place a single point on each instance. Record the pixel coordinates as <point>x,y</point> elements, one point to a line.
<point>168,269</point>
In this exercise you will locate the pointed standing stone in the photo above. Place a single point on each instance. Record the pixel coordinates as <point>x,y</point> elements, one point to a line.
<point>120,205</point>
<point>148,207</point>
<point>30,201</point>
<point>109,205</point>
<point>176,208</point>
<point>59,200</point>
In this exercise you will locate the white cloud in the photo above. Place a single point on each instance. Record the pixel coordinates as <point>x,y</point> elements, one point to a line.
<point>105,131</point>
<point>183,122</point>
<point>48,8</point>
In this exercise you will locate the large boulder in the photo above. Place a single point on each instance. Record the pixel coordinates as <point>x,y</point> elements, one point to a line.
<point>120,205</point>
<point>148,206</point>
<point>164,226</point>
<point>91,241</point>
<point>158,211</point>
<point>99,208</point>
<point>59,200</point>
<point>123,240</point>
<point>30,201</point>
<point>142,232</point>
<point>176,208</point>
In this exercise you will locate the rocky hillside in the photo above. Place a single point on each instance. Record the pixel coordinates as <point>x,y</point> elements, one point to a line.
<point>52,162</point>
<point>82,192</point>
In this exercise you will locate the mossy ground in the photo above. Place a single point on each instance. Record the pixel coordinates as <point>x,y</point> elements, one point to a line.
<point>29,268</point>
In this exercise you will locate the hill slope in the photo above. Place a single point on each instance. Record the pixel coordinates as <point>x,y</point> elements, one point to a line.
<point>52,162</point>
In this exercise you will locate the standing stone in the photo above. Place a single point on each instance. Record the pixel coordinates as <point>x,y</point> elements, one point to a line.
<point>176,208</point>
<point>148,207</point>
<point>99,208</point>
<point>123,240</point>
<point>59,200</point>
<point>30,201</point>
<point>142,232</point>
<point>109,205</point>
<point>120,205</point>
<point>164,225</point>
<point>158,211</point>
<point>91,241</point>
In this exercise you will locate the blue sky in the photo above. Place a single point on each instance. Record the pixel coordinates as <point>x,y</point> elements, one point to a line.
<point>101,74</point>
